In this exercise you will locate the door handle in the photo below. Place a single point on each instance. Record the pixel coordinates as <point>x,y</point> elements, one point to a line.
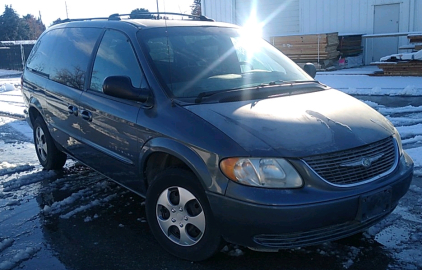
<point>86,115</point>
<point>72,110</point>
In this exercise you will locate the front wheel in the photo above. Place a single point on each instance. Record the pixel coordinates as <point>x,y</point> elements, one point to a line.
<point>180,217</point>
<point>49,156</point>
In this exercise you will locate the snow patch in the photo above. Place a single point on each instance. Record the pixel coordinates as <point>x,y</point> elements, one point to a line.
<point>21,256</point>
<point>8,242</point>
<point>7,87</point>
<point>88,206</point>
<point>27,179</point>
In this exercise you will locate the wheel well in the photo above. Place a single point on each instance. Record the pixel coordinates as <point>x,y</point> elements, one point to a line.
<point>160,161</point>
<point>33,114</point>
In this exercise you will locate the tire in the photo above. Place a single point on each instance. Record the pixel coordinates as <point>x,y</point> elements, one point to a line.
<point>49,156</point>
<point>180,217</point>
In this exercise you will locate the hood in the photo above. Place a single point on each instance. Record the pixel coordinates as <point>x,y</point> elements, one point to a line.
<point>299,125</point>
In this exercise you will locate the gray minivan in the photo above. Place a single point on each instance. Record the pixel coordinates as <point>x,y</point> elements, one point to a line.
<point>225,137</point>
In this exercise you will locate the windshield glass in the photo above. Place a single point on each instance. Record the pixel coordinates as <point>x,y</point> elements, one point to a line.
<point>197,60</point>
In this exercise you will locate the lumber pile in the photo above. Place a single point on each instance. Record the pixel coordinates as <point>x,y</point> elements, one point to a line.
<point>350,45</point>
<point>408,68</point>
<point>404,64</point>
<point>415,38</point>
<point>308,48</point>
<point>415,43</point>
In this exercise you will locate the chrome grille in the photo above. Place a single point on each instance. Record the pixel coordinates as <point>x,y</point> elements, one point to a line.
<point>358,165</point>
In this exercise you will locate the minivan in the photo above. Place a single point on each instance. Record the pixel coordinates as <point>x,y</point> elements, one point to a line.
<point>225,137</point>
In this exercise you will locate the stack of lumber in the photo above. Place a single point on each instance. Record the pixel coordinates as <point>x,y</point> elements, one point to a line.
<point>350,45</point>
<point>415,38</point>
<point>408,68</point>
<point>308,48</point>
<point>416,41</point>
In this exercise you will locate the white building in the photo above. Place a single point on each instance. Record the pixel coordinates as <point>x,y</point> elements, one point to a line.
<point>368,17</point>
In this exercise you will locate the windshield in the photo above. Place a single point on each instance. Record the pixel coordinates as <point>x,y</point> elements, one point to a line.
<point>192,61</point>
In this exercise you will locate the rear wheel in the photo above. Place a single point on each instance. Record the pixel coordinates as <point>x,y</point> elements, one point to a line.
<point>180,217</point>
<point>49,156</point>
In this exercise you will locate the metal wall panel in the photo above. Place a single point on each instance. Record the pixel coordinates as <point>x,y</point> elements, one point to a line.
<point>321,16</point>
<point>283,17</point>
<point>417,15</point>
<point>219,10</point>
<point>279,17</point>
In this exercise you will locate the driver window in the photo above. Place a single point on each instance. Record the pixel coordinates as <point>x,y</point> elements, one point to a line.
<point>115,57</point>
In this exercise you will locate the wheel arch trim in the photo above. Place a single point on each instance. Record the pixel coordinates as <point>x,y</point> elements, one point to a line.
<point>191,158</point>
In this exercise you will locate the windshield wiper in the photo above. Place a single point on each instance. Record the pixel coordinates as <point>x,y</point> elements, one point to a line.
<point>201,95</point>
<point>281,82</point>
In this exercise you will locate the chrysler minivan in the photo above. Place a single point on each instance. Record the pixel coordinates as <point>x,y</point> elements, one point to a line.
<point>225,137</point>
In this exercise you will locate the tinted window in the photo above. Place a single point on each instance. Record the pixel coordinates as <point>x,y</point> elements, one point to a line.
<point>40,55</point>
<point>71,55</point>
<point>115,57</point>
<point>196,60</point>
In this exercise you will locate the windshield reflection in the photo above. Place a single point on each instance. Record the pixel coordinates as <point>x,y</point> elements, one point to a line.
<point>196,60</point>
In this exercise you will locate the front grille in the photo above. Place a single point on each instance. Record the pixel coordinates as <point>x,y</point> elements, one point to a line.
<point>314,237</point>
<point>358,165</point>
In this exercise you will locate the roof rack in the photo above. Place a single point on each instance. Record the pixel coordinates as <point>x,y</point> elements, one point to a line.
<point>83,19</point>
<point>117,16</point>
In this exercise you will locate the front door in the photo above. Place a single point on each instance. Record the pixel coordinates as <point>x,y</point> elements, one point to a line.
<point>113,137</point>
<point>386,20</point>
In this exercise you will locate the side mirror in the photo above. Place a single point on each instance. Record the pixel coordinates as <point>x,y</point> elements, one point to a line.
<point>121,87</point>
<point>310,69</point>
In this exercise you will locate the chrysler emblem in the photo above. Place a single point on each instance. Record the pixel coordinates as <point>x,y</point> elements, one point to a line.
<point>365,162</point>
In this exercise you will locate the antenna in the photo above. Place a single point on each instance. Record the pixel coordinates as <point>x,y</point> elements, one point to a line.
<point>67,14</point>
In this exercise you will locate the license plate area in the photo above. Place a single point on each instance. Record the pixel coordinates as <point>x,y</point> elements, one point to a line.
<point>374,204</point>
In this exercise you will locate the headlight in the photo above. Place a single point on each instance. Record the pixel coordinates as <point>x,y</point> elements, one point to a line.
<point>396,136</point>
<point>262,172</point>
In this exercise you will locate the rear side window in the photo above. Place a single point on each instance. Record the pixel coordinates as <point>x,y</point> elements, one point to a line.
<point>115,57</point>
<point>72,55</point>
<point>64,55</point>
<point>39,58</point>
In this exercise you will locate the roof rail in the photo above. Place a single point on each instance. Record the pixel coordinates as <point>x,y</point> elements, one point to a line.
<point>117,16</point>
<point>84,19</point>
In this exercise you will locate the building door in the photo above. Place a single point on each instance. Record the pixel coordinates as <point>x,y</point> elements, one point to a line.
<point>386,20</point>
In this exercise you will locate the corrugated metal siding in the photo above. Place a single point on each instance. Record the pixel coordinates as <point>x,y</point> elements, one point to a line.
<point>417,26</point>
<point>313,16</point>
<point>318,16</point>
<point>357,16</point>
<point>219,10</point>
<point>281,17</point>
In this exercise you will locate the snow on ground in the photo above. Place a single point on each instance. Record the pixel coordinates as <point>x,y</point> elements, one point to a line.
<point>400,233</point>
<point>357,82</point>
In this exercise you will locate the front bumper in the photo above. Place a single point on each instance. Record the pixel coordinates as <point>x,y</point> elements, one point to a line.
<point>271,225</point>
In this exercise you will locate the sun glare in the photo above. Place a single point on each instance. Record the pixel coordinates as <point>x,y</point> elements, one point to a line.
<point>252,27</point>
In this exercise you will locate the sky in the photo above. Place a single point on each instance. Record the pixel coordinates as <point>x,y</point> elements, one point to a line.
<point>52,10</point>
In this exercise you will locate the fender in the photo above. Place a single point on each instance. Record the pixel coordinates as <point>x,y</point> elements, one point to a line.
<point>34,104</point>
<point>211,181</point>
